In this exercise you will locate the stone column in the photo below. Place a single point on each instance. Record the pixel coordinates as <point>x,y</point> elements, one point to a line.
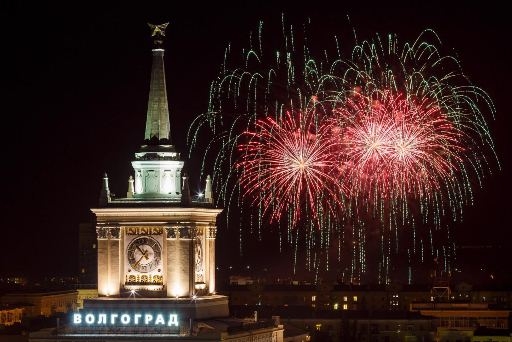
<point>210,258</point>
<point>178,261</point>
<point>109,276</point>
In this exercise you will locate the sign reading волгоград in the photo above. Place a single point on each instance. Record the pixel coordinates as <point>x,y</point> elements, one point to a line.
<point>125,319</point>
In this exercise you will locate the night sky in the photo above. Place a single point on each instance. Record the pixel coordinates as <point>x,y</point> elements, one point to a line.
<point>75,81</point>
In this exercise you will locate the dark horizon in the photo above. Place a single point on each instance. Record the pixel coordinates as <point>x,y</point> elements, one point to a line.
<point>76,85</point>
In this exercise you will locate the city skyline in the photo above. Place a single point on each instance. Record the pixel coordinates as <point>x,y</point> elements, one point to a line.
<point>82,84</point>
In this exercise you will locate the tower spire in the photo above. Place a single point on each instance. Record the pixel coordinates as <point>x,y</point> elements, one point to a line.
<point>157,165</point>
<point>157,120</point>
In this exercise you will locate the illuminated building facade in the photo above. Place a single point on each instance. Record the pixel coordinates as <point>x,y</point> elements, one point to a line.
<point>157,241</point>
<point>156,250</point>
<point>10,315</point>
<point>43,304</point>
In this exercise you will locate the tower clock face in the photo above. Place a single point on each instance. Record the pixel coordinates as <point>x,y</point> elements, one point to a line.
<point>144,254</point>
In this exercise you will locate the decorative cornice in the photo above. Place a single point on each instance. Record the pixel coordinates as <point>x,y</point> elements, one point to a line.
<point>164,215</point>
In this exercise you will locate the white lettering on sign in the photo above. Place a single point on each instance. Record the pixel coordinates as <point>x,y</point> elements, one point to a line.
<point>133,319</point>
<point>159,320</point>
<point>125,319</point>
<point>173,320</point>
<point>102,319</point>
<point>77,318</point>
<point>89,319</point>
<point>137,317</point>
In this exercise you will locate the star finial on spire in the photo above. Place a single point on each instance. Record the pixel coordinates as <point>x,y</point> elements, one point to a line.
<point>158,33</point>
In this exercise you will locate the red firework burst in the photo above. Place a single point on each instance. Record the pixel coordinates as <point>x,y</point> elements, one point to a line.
<point>288,164</point>
<point>396,148</point>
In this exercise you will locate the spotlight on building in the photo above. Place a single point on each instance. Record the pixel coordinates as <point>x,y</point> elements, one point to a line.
<point>200,286</point>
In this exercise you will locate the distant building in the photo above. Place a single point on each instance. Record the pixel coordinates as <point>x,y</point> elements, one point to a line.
<point>13,281</point>
<point>375,313</point>
<point>240,280</point>
<point>85,294</point>
<point>45,304</point>
<point>458,321</point>
<point>330,297</point>
<point>10,315</point>
<point>88,255</point>
<point>492,335</point>
<point>392,329</point>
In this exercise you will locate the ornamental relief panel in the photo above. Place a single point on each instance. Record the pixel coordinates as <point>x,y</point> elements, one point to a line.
<point>108,232</point>
<point>211,232</point>
<point>198,232</point>
<point>180,232</point>
<point>199,268</point>
<point>143,230</point>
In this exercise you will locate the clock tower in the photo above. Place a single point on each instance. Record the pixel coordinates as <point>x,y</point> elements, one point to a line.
<point>158,242</point>
<point>156,251</point>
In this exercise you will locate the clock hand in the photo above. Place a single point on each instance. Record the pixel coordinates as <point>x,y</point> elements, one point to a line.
<point>143,252</point>
<point>142,256</point>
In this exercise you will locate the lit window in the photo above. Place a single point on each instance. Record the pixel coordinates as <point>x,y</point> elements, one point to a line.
<point>313,298</point>
<point>345,306</point>
<point>318,326</point>
<point>335,306</point>
<point>354,298</point>
<point>345,298</point>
